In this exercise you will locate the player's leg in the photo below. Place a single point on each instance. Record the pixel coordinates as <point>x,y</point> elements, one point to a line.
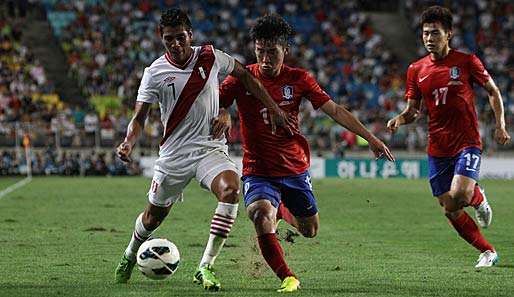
<point>283,213</point>
<point>469,231</point>
<point>146,223</point>
<point>261,200</point>
<point>465,189</point>
<point>299,200</point>
<point>164,191</point>
<point>219,174</point>
<point>453,193</point>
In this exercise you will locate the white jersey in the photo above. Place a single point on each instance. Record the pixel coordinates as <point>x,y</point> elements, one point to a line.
<point>187,132</point>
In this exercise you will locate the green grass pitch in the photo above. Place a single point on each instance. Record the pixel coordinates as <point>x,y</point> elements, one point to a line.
<point>64,237</point>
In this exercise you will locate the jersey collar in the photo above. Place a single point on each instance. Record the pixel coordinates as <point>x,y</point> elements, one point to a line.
<point>183,66</point>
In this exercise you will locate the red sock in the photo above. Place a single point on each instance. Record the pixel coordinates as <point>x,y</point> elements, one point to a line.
<point>274,255</point>
<point>477,197</point>
<point>468,230</point>
<point>284,213</point>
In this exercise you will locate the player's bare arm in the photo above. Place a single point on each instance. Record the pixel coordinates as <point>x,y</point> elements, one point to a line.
<point>346,119</point>
<point>277,116</point>
<point>407,116</point>
<point>495,99</point>
<point>221,124</point>
<point>134,129</point>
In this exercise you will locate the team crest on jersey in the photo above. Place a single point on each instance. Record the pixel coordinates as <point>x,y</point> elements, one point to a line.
<point>454,72</point>
<point>169,80</point>
<point>287,92</point>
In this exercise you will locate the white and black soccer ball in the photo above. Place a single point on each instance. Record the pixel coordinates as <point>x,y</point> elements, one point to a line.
<point>158,258</point>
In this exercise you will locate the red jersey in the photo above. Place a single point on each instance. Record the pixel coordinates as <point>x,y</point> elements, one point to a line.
<point>266,154</point>
<point>446,86</point>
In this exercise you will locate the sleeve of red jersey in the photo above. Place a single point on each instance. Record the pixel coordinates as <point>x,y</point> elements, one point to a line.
<point>313,92</point>
<point>478,71</point>
<point>228,91</point>
<point>411,87</point>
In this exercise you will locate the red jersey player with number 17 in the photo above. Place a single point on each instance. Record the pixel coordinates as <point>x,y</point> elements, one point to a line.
<point>444,79</point>
<point>275,165</point>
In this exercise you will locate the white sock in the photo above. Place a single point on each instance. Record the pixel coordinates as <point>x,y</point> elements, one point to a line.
<point>139,236</point>
<point>221,224</point>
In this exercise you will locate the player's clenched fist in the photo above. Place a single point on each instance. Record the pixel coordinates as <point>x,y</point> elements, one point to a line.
<point>123,151</point>
<point>501,136</point>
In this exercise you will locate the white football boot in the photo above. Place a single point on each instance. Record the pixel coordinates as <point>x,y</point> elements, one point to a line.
<point>483,212</point>
<point>487,259</point>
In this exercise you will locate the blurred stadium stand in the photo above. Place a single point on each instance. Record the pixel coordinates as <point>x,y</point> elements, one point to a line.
<point>71,69</point>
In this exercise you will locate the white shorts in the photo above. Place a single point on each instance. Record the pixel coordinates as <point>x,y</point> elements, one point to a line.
<point>167,187</point>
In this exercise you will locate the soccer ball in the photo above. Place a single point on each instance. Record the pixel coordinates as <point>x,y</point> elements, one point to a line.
<point>158,258</point>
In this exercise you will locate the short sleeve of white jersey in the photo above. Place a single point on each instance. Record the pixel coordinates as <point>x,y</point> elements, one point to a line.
<point>225,62</point>
<point>147,89</point>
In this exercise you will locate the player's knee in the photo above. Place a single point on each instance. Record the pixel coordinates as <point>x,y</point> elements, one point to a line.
<point>261,216</point>
<point>230,194</point>
<point>309,231</point>
<point>308,228</point>
<point>462,196</point>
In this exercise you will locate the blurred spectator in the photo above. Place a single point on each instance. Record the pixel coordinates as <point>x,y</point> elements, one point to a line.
<point>49,162</point>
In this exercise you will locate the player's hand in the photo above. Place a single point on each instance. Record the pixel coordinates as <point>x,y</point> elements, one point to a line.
<point>501,136</point>
<point>221,124</point>
<point>279,118</point>
<point>394,123</point>
<point>380,150</point>
<point>123,151</point>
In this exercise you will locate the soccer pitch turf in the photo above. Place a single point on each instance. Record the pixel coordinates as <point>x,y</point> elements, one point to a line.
<point>64,237</point>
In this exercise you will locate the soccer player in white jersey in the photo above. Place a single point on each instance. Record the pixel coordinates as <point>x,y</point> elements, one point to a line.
<point>185,83</point>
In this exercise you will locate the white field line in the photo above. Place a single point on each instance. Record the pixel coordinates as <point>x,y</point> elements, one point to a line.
<point>14,187</point>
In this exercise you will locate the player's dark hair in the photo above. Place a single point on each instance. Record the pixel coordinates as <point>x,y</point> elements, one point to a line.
<point>272,27</point>
<point>439,14</point>
<point>174,17</point>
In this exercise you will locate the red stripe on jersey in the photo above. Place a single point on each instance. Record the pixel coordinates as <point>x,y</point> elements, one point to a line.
<point>192,88</point>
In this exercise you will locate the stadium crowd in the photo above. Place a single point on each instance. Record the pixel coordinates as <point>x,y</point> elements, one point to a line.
<point>108,44</point>
<point>50,162</point>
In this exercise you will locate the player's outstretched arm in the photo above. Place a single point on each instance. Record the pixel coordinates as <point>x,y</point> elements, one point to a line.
<point>277,116</point>
<point>407,116</point>
<point>346,119</point>
<point>495,99</point>
<point>134,129</point>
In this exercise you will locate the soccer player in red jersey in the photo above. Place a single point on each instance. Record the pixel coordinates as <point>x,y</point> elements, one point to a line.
<point>444,79</point>
<point>275,165</point>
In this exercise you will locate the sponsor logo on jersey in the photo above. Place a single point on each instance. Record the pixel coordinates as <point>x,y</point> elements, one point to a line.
<point>287,92</point>
<point>421,79</point>
<point>454,72</point>
<point>169,80</point>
